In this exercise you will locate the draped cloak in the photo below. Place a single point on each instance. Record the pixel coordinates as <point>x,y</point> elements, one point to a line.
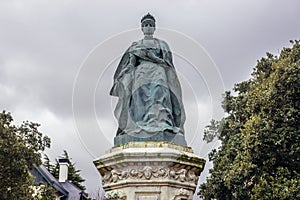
<point>149,92</point>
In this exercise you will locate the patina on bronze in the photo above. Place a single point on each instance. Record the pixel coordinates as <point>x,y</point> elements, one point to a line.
<point>150,104</point>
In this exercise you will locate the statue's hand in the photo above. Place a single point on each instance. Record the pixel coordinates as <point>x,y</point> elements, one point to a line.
<point>151,55</point>
<point>160,60</point>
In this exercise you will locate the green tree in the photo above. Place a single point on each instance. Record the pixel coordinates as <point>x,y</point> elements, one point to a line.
<point>260,153</point>
<point>43,192</point>
<point>73,173</point>
<point>54,169</point>
<point>47,163</point>
<point>20,149</point>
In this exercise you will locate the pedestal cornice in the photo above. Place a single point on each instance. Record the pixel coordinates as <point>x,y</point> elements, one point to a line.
<point>152,167</point>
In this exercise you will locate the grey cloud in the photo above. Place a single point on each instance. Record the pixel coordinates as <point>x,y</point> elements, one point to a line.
<point>43,44</point>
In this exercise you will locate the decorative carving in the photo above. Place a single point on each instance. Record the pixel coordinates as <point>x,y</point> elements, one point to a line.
<point>161,172</point>
<point>181,193</point>
<point>118,175</point>
<point>106,177</point>
<point>178,175</point>
<point>192,177</point>
<point>115,194</point>
<point>148,173</point>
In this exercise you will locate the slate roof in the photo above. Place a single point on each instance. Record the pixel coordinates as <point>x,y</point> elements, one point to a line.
<point>66,189</point>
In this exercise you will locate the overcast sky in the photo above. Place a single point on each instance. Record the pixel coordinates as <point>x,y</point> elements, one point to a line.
<point>53,53</point>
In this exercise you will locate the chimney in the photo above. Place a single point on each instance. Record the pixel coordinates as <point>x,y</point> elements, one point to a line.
<point>63,169</point>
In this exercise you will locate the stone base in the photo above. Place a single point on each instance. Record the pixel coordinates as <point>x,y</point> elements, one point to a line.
<point>150,171</point>
<point>158,137</point>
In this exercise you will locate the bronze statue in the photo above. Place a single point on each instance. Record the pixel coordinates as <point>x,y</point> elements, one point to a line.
<point>150,104</point>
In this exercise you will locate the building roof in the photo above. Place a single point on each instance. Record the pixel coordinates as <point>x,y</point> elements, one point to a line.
<point>67,189</point>
<point>74,192</point>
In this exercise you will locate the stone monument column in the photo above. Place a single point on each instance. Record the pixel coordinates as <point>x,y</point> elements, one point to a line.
<point>150,159</point>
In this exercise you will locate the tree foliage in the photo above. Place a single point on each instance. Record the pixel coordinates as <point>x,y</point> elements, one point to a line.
<point>47,163</point>
<point>43,192</point>
<point>73,173</point>
<point>20,149</point>
<point>260,153</point>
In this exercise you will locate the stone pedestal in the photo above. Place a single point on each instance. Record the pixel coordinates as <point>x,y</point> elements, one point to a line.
<point>150,171</point>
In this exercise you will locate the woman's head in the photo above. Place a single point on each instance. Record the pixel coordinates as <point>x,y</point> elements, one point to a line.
<point>148,24</point>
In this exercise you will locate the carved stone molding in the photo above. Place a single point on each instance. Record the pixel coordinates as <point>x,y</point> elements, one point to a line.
<point>115,194</point>
<point>181,193</point>
<point>150,170</point>
<point>150,173</point>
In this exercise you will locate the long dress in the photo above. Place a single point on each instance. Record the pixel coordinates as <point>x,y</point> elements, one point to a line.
<point>150,99</point>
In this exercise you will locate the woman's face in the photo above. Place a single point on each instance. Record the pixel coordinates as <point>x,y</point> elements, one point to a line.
<point>148,27</point>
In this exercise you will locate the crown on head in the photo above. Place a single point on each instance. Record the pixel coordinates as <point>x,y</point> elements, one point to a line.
<point>148,16</point>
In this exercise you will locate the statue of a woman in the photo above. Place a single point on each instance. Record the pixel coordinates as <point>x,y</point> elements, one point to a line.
<point>149,92</point>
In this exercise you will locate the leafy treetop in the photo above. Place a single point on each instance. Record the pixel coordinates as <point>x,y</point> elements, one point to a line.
<point>20,148</point>
<point>260,153</point>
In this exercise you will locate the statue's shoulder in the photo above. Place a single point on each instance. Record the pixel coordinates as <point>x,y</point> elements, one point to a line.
<point>132,46</point>
<point>162,43</point>
<point>136,43</point>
